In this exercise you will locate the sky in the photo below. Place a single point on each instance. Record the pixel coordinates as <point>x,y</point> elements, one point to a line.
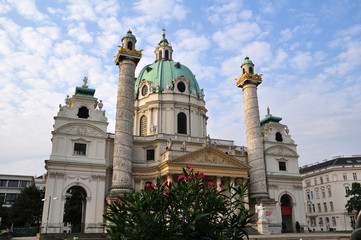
<point>309,53</point>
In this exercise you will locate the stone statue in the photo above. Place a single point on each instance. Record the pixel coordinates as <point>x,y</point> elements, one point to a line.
<point>260,210</point>
<point>184,146</point>
<point>287,130</point>
<point>100,104</point>
<point>268,111</point>
<point>67,100</point>
<point>208,140</point>
<point>153,128</point>
<point>169,144</point>
<point>85,80</point>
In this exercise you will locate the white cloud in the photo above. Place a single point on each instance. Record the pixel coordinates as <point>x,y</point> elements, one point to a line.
<point>80,33</point>
<point>28,9</point>
<point>301,61</point>
<point>236,35</point>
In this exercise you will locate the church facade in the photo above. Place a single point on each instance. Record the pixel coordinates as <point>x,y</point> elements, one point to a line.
<point>161,127</point>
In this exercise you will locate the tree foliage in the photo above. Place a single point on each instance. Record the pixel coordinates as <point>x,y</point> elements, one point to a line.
<point>73,208</point>
<point>4,214</point>
<point>28,207</point>
<point>192,208</point>
<point>354,202</point>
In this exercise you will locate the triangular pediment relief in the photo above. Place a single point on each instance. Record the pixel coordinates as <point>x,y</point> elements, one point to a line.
<point>209,156</point>
<point>81,130</point>
<point>281,151</point>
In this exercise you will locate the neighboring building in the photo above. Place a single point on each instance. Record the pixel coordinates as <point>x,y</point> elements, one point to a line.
<point>161,127</point>
<point>11,186</point>
<point>325,185</point>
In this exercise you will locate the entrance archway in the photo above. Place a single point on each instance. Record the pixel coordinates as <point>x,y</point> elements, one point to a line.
<point>74,209</point>
<point>286,210</point>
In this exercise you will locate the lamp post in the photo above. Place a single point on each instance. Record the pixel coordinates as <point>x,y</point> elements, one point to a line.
<point>47,217</point>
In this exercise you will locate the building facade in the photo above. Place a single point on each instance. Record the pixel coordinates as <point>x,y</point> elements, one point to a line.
<point>325,185</point>
<point>11,186</point>
<point>161,127</point>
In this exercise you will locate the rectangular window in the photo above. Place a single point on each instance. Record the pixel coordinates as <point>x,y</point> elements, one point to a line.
<point>323,193</point>
<point>150,154</point>
<point>309,208</point>
<point>13,183</point>
<point>321,222</point>
<point>313,207</point>
<point>334,221</point>
<point>347,189</point>
<point>329,192</point>
<point>80,148</point>
<point>331,206</point>
<point>313,222</point>
<point>308,195</point>
<point>325,206</point>
<point>354,175</point>
<point>345,176</point>
<point>10,198</point>
<point>282,166</point>
<point>311,195</point>
<point>353,220</point>
<point>315,181</point>
<point>327,179</point>
<point>24,184</point>
<point>317,194</point>
<point>3,182</point>
<point>319,207</point>
<point>321,180</point>
<point>308,184</point>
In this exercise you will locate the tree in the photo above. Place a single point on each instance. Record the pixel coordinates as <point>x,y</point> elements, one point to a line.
<point>28,207</point>
<point>192,208</point>
<point>354,202</point>
<point>73,208</point>
<point>4,215</point>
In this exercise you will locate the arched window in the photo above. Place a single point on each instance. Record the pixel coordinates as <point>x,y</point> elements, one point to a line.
<point>143,126</point>
<point>250,70</point>
<point>83,112</point>
<point>243,70</point>
<point>130,45</point>
<point>182,123</point>
<point>279,137</point>
<point>160,55</point>
<point>166,55</point>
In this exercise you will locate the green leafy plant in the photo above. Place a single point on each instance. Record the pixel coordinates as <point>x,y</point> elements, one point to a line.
<point>354,202</point>
<point>191,208</point>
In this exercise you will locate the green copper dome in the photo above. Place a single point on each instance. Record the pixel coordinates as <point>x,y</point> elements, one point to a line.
<point>163,42</point>
<point>129,35</point>
<point>246,60</point>
<point>162,73</point>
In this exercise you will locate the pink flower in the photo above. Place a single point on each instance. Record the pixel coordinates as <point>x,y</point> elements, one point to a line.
<point>195,174</point>
<point>189,167</point>
<point>166,192</point>
<point>248,184</point>
<point>202,174</point>
<point>148,185</point>
<point>118,200</point>
<point>181,178</point>
<point>171,182</point>
<point>189,177</point>
<point>165,183</point>
<point>220,185</point>
<point>217,190</point>
<point>210,183</point>
<point>152,185</point>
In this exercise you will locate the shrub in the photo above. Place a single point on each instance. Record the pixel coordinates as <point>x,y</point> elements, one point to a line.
<point>191,208</point>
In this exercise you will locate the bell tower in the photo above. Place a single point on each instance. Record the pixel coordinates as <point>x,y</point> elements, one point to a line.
<point>127,59</point>
<point>164,50</point>
<point>249,82</point>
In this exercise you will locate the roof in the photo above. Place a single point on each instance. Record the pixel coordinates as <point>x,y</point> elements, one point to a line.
<point>247,61</point>
<point>162,73</point>
<point>270,119</point>
<point>337,162</point>
<point>128,35</point>
<point>84,92</point>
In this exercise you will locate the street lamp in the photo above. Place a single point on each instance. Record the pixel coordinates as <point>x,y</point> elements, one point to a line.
<point>47,217</point>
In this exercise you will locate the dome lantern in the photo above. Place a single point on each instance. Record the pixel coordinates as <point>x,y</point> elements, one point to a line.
<point>164,50</point>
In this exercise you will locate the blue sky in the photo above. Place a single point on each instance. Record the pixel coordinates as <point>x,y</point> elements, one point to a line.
<point>309,53</point>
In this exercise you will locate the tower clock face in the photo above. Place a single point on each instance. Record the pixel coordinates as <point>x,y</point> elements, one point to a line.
<point>144,90</point>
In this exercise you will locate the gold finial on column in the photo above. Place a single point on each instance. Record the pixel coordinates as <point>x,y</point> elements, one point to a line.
<point>163,34</point>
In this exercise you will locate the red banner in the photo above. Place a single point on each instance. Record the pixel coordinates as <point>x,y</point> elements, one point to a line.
<point>286,210</point>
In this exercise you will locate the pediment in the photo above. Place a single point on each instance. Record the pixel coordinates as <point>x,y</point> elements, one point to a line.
<point>81,129</point>
<point>280,150</point>
<point>209,156</point>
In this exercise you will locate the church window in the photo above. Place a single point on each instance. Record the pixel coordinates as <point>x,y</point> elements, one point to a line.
<point>144,90</point>
<point>130,45</point>
<point>181,86</point>
<point>243,71</point>
<point>83,112</point>
<point>182,123</point>
<point>250,70</point>
<point>282,165</point>
<point>150,154</point>
<point>319,207</point>
<point>308,184</point>
<point>321,180</point>
<point>325,206</point>
<point>279,137</point>
<point>323,192</point>
<point>160,54</point>
<point>347,189</point>
<point>327,178</point>
<point>334,221</point>
<point>143,126</point>
<point>308,195</point>
<point>345,176</point>
<point>80,148</point>
<point>354,175</point>
<point>166,55</point>
<point>321,222</point>
<point>317,194</point>
<point>332,207</point>
<point>329,192</point>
